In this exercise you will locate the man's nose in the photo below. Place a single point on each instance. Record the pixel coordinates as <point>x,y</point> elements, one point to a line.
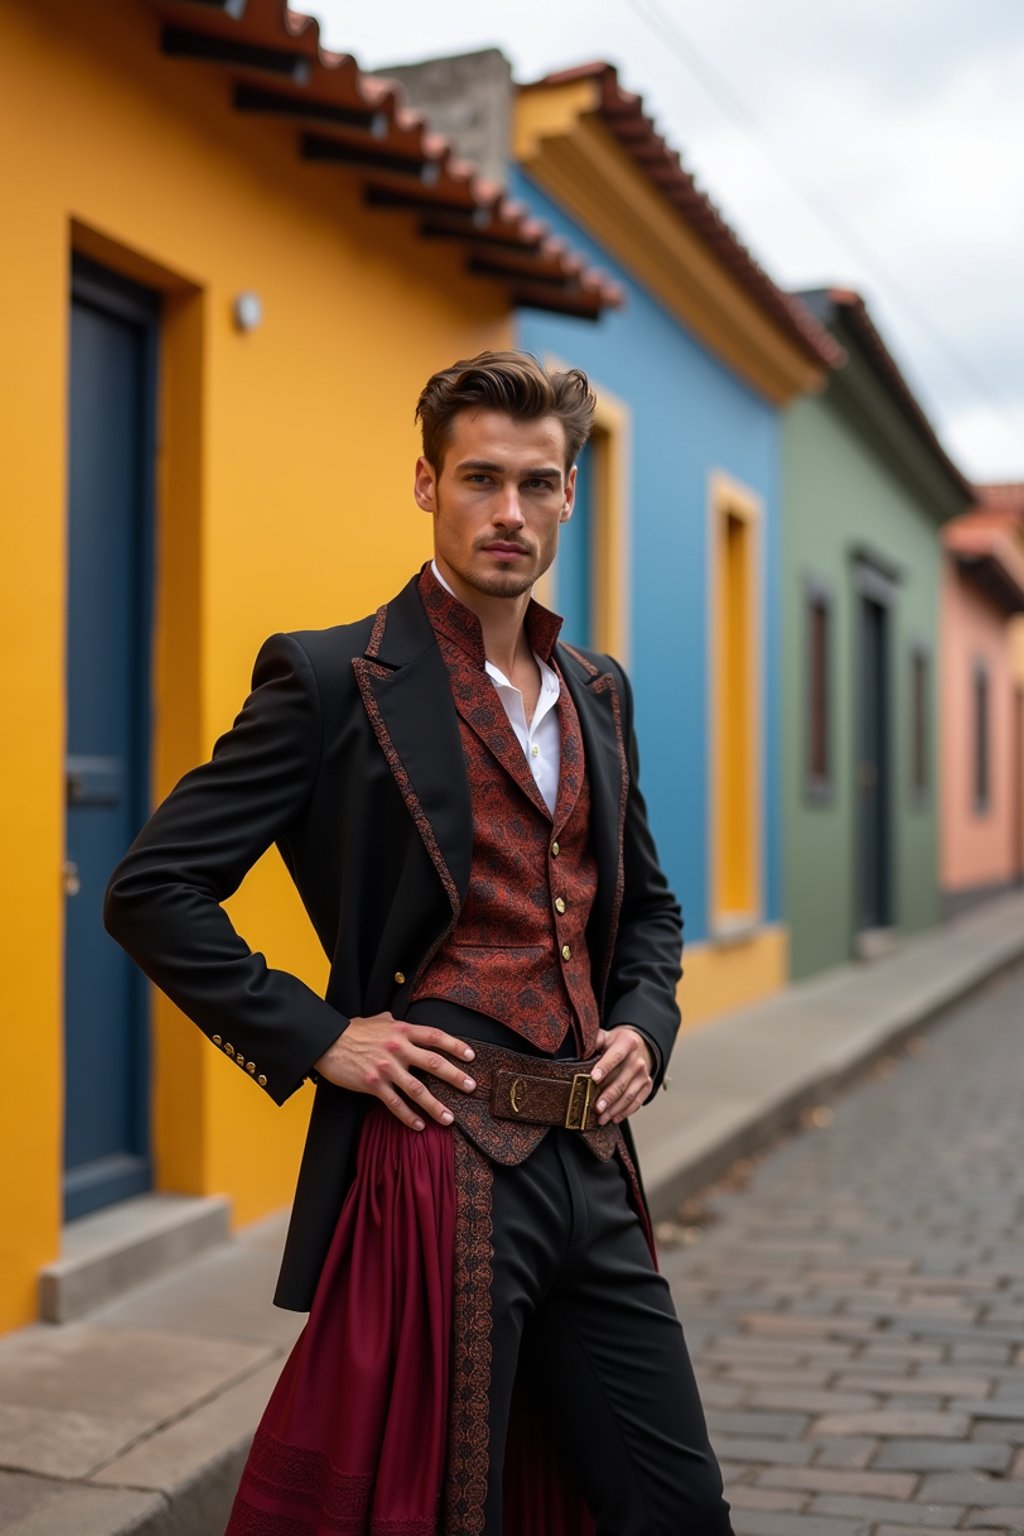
<point>508,512</point>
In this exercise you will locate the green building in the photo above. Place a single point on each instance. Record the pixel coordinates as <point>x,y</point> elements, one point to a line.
<point>866,488</point>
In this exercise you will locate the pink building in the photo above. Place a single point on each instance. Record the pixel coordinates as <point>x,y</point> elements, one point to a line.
<point>982,716</point>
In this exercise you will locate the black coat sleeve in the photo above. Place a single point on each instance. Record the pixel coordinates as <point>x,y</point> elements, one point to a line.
<point>163,902</point>
<point>646,965</point>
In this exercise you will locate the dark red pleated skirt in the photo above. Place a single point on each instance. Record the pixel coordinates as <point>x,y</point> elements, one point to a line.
<point>354,1439</point>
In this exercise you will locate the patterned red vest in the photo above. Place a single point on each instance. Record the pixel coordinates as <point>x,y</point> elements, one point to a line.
<point>518,952</point>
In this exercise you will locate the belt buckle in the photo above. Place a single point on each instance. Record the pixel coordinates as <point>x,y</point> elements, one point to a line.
<point>577,1116</point>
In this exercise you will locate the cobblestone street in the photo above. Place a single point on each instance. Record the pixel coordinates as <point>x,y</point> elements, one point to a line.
<point>855,1307</point>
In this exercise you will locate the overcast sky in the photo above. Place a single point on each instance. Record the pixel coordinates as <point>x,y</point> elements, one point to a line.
<point>878,144</point>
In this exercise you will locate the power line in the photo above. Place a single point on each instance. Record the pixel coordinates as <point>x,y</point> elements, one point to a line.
<point>734,106</point>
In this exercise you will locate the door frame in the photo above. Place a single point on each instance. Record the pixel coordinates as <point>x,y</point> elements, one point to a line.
<point>106,290</point>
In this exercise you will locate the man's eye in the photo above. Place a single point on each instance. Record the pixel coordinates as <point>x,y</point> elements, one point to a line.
<point>539,485</point>
<point>478,479</point>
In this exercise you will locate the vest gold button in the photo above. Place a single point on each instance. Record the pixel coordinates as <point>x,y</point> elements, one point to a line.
<point>559,903</point>
<point>555,850</point>
<point>216,1039</point>
<point>566,952</point>
<point>250,1067</point>
<point>400,978</point>
<point>229,1049</point>
<point>262,1080</point>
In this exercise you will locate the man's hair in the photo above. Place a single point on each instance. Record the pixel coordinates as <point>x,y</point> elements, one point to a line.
<point>513,382</point>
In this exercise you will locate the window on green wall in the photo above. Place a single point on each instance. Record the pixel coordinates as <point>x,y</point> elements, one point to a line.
<point>818,697</point>
<point>920,682</point>
<point>980,738</point>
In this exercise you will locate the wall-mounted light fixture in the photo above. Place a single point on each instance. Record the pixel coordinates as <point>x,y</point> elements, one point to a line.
<point>248,311</point>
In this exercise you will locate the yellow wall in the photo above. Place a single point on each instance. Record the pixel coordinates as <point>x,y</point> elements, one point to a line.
<point>283,489</point>
<point>724,975</point>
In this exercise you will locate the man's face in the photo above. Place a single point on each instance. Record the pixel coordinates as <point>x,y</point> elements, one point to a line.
<point>499,500</point>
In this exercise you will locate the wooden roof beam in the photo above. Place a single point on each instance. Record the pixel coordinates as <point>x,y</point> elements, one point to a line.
<point>183,43</point>
<point>366,157</point>
<point>261,99</point>
<point>406,200</point>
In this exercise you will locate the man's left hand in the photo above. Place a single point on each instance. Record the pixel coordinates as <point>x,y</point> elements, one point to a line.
<point>624,1073</point>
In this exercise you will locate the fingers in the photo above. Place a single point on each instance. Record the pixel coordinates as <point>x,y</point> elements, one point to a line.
<point>436,1065</point>
<point>436,1040</point>
<point>423,1099</point>
<point>414,1049</point>
<point>393,1101</point>
<point>625,1094</point>
<point>633,1097</point>
<point>614,1054</point>
<point>624,1071</point>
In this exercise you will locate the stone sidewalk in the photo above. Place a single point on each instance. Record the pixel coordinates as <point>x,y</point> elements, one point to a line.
<point>855,1303</point>
<point>136,1419</point>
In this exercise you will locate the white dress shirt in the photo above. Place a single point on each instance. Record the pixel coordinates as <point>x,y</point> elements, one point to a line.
<point>540,739</point>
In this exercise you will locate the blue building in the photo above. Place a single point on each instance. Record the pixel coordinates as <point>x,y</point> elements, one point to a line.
<point>672,558</point>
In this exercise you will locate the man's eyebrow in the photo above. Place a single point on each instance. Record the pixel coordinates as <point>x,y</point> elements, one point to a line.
<point>547,473</point>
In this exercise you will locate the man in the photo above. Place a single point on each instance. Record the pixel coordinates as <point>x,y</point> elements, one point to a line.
<point>455,795</point>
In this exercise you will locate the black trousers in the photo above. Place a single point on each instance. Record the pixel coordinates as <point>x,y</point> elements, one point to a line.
<point>577,1301</point>
<point>576,1297</point>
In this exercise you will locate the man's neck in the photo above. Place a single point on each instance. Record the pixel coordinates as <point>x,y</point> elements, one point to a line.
<point>502,620</point>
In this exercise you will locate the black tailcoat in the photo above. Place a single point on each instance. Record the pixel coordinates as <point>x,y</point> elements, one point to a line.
<point>346,754</point>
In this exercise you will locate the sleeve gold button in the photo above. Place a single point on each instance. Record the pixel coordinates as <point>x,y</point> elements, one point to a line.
<point>229,1049</point>
<point>400,977</point>
<point>555,850</point>
<point>250,1067</point>
<point>262,1080</point>
<point>566,952</point>
<point>559,903</point>
<point>216,1039</point>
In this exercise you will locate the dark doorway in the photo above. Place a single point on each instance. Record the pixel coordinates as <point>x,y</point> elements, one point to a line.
<point>112,414</point>
<point>874,896</point>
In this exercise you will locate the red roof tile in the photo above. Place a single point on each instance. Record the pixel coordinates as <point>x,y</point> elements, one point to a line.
<point>986,542</point>
<point>276,65</point>
<point>622,112</point>
<point>1003,502</point>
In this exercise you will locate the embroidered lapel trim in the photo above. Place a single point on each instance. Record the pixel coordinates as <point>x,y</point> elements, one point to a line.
<point>599,707</point>
<point>477,701</point>
<point>402,628</point>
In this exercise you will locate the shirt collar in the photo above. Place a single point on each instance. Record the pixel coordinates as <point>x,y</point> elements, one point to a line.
<point>453,619</point>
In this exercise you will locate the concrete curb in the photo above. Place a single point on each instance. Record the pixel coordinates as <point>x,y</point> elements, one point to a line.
<point>200,1504</point>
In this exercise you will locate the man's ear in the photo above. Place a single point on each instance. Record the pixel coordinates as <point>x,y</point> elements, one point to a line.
<point>569,499</point>
<point>425,485</point>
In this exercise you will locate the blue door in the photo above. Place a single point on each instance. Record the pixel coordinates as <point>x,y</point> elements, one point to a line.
<point>575,562</point>
<point>110,510</point>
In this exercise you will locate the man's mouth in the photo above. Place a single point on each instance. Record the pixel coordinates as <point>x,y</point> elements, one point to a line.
<point>500,548</point>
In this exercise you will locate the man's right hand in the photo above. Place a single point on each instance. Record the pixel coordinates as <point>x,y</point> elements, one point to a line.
<point>378,1055</point>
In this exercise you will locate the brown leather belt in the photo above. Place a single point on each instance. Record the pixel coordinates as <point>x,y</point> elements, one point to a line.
<point>537,1090</point>
<point>517,1099</point>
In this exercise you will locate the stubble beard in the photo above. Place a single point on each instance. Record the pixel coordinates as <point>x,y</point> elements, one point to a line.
<point>508,584</point>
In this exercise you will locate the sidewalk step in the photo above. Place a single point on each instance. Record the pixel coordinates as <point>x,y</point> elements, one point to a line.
<point>107,1253</point>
